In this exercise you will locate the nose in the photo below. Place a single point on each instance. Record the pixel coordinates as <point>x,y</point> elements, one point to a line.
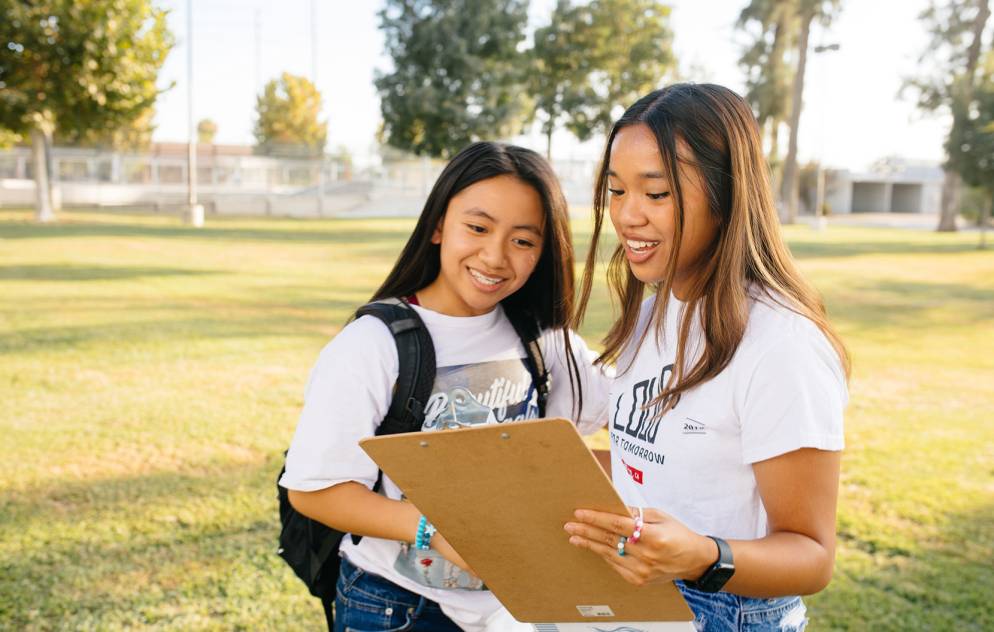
<point>627,212</point>
<point>493,254</point>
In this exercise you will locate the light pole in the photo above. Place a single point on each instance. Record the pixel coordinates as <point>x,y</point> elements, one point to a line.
<point>314,79</point>
<point>820,221</point>
<point>257,24</point>
<point>195,211</point>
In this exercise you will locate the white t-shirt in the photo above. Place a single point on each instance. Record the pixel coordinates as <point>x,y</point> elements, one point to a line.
<point>783,390</point>
<point>481,378</point>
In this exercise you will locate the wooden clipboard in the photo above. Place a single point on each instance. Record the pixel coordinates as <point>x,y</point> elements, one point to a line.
<point>501,494</point>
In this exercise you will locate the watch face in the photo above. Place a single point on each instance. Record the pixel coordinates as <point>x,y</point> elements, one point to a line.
<point>717,577</point>
<point>724,571</point>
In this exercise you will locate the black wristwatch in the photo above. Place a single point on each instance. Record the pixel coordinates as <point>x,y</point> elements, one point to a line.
<point>715,578</point>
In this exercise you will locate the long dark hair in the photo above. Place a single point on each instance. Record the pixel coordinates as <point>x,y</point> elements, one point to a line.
<point>547,296</point>
<point>748,251</point>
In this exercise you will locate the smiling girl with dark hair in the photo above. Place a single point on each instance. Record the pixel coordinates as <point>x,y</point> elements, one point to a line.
<point>727,411</point>
<point>491,247</point>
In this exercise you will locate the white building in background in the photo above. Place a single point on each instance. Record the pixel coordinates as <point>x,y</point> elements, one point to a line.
<point>232,181</point>
<point>891,185</point>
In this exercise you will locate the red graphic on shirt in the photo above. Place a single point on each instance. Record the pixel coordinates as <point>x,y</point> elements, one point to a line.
<point>636,474</point>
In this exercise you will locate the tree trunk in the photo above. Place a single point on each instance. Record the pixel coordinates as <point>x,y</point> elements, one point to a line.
<point>43,204</point>
<point>950,202</point>
<point>548,144</point>
<point>791,181</point>
<point>54,192</point>
<point>774,140</point>
<point>776,167</point>
<point>775,64</point>
<point>977,30</point>
<point>953,183</point>
<point>985,214</point>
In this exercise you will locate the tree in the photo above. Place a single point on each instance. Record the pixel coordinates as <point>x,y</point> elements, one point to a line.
<point>970,146</point>
<point>770,24</point>
<point>133,136</point>
<point>8,138</point>
<point>775,63</point>
<point>593,58</point>
<point>288,123</point>
<point>954,51</point>
<point>560,80</point>
<point>807,11</point>
<point>75,67</point>
<point>206,131</point>
<point>630,50</point>
<point>457,73</point>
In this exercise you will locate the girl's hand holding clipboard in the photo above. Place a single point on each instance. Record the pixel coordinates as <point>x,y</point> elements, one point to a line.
<point>664,550</point>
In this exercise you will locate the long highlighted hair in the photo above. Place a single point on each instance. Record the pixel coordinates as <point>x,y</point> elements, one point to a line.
<point>748,254</point>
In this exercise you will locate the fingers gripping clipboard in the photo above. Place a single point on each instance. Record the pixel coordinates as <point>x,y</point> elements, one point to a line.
<point>501,494</point>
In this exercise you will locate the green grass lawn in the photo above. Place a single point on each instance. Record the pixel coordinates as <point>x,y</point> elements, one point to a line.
<point>151,376</point>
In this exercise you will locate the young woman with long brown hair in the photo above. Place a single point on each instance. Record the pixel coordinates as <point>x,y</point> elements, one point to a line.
<point>727,409</point>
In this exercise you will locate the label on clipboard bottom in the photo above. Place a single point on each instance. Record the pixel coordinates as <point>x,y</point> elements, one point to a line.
<point>616,626</point>
<point>595,611</point>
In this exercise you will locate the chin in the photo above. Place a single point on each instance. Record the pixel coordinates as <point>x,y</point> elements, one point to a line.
<point>649,277</point>
<point>482,304</point>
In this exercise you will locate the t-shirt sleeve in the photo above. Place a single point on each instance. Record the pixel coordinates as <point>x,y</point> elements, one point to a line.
<point>347,396</point>
<point>595,382</point>
<point>794,398</point>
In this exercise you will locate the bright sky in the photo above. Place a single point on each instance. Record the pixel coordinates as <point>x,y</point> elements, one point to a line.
<point>852,113</point>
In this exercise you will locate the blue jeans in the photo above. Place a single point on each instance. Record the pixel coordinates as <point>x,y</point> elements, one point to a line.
<point>369,603</point>
<point>724,612</point>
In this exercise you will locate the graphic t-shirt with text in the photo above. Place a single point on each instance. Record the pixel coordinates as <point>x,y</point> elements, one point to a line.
<point>784,389</point>
<point>481,378</point>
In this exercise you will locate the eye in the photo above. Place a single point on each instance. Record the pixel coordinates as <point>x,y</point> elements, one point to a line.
<point>658,196</point>
<point>524,243</point>
<point>476,228</point>
<point>616,192</point>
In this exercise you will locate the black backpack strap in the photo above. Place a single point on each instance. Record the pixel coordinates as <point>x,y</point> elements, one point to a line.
<point>416,365</point>
<point>415,374</point>
<point>528,330</point>
<point>310,547</point>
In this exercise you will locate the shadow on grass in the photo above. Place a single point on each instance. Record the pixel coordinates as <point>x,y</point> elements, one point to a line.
<point>834,249</point>
<point>275,324</point>
<point>303,232</point>
<point>73,272</point>
<point>158,548</point>
<point>938,293</point>
<point>945,585</point>
<point>138,564</point>
<point>888,304</point>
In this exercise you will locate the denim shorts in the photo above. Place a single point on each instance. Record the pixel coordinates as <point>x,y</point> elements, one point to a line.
<point>724,612</point>
<point>369,603</point>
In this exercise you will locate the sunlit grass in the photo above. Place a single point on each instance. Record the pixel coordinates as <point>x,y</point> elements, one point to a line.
<point>151,376</point>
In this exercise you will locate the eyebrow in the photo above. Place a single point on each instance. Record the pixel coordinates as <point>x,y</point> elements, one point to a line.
<point>479,212</point>
<point>648,174</point>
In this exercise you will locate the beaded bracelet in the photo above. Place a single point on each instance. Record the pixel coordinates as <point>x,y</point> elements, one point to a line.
<point>639,523</point>
<point>422,541</point>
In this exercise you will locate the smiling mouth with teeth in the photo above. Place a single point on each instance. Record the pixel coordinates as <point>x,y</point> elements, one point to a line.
<point>641,246</point>
<point>482,278</point>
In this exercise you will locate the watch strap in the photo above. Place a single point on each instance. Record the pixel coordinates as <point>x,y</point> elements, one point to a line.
<point>715,578</point>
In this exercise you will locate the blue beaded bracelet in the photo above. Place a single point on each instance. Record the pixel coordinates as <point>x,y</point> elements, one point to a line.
<point>422,541</point>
